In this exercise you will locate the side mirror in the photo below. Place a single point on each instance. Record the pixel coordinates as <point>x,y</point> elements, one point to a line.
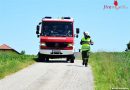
<point>77,30</point>
<point>77,36</point>
<point>40,23</point>
<point>38,36</point>
<point>37,29</point>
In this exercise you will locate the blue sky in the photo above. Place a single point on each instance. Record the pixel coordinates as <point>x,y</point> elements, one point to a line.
<point>109,28</point>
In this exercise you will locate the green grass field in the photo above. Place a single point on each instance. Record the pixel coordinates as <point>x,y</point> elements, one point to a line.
<point>111,70</point>
<point>11,62</point>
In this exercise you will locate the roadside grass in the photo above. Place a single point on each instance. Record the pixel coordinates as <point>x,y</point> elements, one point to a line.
<point>111,70</point>
<point>11,62</point>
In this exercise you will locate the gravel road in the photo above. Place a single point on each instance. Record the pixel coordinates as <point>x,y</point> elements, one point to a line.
<point>50,76</point>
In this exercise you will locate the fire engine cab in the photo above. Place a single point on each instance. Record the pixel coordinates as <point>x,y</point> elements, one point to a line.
<point>56,38</point>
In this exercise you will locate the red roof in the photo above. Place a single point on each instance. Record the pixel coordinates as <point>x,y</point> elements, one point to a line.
<point>4,46</point>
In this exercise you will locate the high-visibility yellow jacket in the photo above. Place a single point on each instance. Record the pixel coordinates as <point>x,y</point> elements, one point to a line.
<point>85,42</point>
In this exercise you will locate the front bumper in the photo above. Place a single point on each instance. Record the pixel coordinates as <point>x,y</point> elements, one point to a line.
<point>56,52</point>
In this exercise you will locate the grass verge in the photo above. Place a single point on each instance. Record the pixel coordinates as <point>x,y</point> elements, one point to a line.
<point>11,62</point>
<point>111,70</point>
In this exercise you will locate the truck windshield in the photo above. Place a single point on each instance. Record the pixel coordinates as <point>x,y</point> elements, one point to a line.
<point>61,29</point>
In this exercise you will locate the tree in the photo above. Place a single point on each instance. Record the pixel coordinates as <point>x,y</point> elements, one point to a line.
<point>22,52</point>
<point>128,47</point>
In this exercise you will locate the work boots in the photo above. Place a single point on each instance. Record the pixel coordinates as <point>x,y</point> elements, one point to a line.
<point>85,62</point>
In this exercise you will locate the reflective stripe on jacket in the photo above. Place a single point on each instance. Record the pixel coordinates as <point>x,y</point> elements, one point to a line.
<point>85,44</point>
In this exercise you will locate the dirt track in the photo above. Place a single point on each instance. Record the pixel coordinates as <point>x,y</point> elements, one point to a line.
<point>50,76</point>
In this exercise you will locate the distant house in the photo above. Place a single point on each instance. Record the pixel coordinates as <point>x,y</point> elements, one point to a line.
<point>5,47</point>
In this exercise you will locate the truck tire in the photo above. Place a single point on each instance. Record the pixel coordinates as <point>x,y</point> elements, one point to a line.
<point>67,59</point>
<point>71,60</point>
<point>41,58</point>
<point>47,59</point>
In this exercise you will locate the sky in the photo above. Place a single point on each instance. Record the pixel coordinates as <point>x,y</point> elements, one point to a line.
<point>109,28</point>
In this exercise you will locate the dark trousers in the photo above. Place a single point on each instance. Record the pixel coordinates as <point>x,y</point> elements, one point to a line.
<point>85,56</point>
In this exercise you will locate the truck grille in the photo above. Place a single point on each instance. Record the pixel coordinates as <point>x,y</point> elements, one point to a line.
<point>56,44</point>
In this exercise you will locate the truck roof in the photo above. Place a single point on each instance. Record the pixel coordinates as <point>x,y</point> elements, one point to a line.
<point>58,19</point>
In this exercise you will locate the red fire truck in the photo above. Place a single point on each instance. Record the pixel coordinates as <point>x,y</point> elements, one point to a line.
<point>56,38</point>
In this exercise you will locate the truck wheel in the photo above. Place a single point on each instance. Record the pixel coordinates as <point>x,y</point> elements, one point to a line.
<point>41,58</point>
<point>71,60</point>
<point>67,59</point>
<point>47,59</point>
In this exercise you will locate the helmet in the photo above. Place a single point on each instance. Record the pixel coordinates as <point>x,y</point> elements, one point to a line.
<point>86,33</point>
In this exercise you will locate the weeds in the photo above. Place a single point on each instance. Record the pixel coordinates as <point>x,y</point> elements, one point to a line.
<point>111,70</point>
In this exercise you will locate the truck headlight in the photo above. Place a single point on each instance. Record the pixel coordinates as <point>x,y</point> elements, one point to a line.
<point>70,45</point>
<point>43,44</point>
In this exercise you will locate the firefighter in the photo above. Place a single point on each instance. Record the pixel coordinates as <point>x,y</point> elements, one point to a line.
<point>86,42</point>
